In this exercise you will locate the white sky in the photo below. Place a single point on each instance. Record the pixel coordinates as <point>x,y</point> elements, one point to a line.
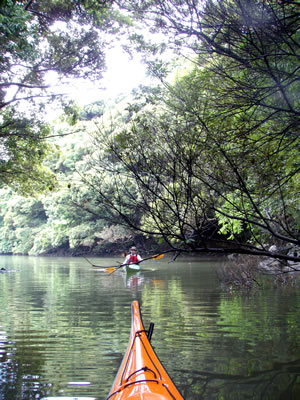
<point>122,75</point>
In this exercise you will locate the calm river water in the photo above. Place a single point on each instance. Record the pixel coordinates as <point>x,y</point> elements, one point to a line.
<point>64,327</point>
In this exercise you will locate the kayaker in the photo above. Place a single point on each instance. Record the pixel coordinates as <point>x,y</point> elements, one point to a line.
<point>133,257</point>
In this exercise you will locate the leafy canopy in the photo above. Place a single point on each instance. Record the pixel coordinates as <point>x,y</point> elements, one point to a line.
<point>43,42</point>
<point>219,154</point>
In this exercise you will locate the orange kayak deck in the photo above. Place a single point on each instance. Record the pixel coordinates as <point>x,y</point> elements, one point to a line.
<point>141,374</point>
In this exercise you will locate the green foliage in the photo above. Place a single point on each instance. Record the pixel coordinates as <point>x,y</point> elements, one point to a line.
<point>22,152</point>
<point>68,219</point>
<point>37,38</point>
<point>241,105</point>
<point>93,110</point>
<point>215,156</point>
<point>228,225</point>
<point>209,158</point>
<point>20,220</point>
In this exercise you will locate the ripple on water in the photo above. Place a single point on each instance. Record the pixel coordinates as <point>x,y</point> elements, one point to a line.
<point>64,326</point>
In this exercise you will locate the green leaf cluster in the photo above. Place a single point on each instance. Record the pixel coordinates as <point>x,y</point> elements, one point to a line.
<point>68,219</point>
<point>42,42</point>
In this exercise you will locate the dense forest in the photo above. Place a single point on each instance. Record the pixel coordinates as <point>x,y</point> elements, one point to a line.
<point>206,159</point>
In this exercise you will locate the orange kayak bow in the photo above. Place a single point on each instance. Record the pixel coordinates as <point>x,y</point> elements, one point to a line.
<point>141,375</point>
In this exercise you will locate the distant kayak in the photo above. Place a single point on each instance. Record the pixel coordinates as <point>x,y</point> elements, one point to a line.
<point>5,271</point>
<point>141,374</point>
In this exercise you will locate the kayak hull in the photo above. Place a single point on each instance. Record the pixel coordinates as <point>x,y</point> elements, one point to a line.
<point>132,268</point>
<point>141,374</point>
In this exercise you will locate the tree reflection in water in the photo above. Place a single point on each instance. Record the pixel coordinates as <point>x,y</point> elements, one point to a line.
<point>283,379</point>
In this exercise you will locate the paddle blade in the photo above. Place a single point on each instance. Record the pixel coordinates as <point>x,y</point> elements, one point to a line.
<point>110,270</point>
<point>158,256</point>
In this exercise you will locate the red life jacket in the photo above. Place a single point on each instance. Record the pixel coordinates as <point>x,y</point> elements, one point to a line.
<point>133,258</point>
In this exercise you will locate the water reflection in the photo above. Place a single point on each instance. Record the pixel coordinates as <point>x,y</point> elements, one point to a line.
<point>64,327</point>
<point>280,382</point>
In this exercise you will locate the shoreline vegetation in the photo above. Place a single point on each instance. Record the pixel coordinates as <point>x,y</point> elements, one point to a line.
<point>236,272</point>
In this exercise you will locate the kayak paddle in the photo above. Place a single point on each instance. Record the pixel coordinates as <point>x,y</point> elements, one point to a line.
<point>155,257</point>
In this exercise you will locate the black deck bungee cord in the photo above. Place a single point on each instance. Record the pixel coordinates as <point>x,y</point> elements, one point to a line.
<point>139,370</point>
